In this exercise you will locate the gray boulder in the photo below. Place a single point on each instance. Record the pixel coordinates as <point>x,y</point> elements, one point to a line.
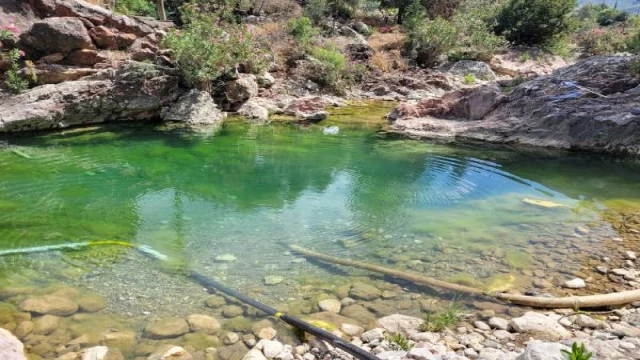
<point>362,28</point>
<point>478,69</point>
<point>194,108</point>
<point>253,111</point>
<point>58,35</point>
<point>134,91</point>
<point>536,324</point>
<point>242,89</point>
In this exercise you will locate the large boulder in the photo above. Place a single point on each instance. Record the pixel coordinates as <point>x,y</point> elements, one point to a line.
<point>254,111</point>
<point>166,328</point>
<point>133,91</point>
<point>398,323</point>
<point>58,35</point>
<point>592,105</point>
<point>479,69</point>
<point>241,89</point>
<point>10,347</point>
<point>194,108</point>
<point>308,109</point>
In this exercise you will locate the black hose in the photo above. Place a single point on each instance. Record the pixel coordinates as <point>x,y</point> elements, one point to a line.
<point>302,325</point>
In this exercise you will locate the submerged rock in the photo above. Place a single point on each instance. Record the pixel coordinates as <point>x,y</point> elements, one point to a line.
<point>364,291</point>
<point>167,328</point>
<point>575,284</point>
<point>49,304</point>
<point>101,353</point>
<point>170,352</point>
<point>273,280</point>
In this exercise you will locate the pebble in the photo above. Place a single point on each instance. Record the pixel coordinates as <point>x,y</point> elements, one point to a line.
<point>273,280</point>
<point>330,305</point>
<point>272,348</point>
<point>267,333</point>
<point>582,230</point>
<point>630,255</point>
<point>231,338</point>
<point>481,325</point>
<point>499,323</point>
<point>576,283</point>
<point>602,269</point>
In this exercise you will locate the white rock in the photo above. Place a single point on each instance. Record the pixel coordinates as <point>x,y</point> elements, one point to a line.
<point>493,354</point>
<point>540,350</point>
<point>267,333</point>
<point>534,323</point>
<point>576,283</point>
<point>351,330</point>
<point>583,320</point>
<point>429,337</point>
<point>631,255</point>
<point>231,338</point>
<point>254,354</point>
<point>503,335</point>
<point>272,348</point>
<point>499,323</point>
<point>10,347</point>
<point>371,335</point>
<point>392,355</point>
<point>101,353</point>
<point>170,352</point>
<point>273,280</point>
<point>330,305</point>
<point>398,323</point>
<point>481,325</point>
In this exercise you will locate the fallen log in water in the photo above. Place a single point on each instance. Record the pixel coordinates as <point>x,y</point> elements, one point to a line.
<point>573,302</point>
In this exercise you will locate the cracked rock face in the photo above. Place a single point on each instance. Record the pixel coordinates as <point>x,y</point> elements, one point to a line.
<point>133,91</point>
<point>602,117</point>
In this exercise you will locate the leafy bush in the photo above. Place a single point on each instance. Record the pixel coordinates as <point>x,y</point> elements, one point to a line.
<point>611,16</point>
<point>426,42</point>
<point>207,49</point>
<point>137,8</point>
<point>331,67</point>
<point>475,22</point>
<point>14,80</point>
<point>534,22</point>
<point>632,41</point>
<point>601,41</point>
<point>302,30</point>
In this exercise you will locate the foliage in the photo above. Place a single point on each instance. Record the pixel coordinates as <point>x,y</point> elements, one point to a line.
<point>426,42</point>
<point>137,7</point>
<point>577,353</point>
<point>400,342</point>
<point>475,22</point>
<point>439,321</point>
<point>14,80</point>
<point>302,30</point>
<point>315,10</point>
<point>207,49</point>
<point>601,41</point>
<point>609,16</point>
<point>634,67</point>
<point>330,67</point>
<point>632,41</point>
<point>534,22</point>
<point>469,79</point>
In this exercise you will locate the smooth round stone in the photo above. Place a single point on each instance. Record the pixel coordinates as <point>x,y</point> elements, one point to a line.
<point>91,303</point>
<point>231,311</point>
<point>215,301</point>
<point>481,325</point>
<point>330,305</point>
<point>231,338</point>
<point>167,328</point>
<point>49,304</point>
<point>267,333</point>
<point>272,348</point>
<point>499,323</point>
<point>203,323</point>
<point>576,283</point>
<point>542,284</point>
<point>46,324</point>
<point>273,280</point>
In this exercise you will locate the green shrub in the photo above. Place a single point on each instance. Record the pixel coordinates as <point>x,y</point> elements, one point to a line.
<point>137,8</point>
<point>469,79</point>
<point>399,342</point>
<point>439,321</point>
<point>611,16</point>
<point>634,67</point>
<point>632,41</point>
<point>302,30</point>
<point>205,50</point>
<point>331,66</point>
<point>14,79</point>
<point>577,353</point>
<point>430,40</point>
<point>475,22</point>
<point>534,22</point>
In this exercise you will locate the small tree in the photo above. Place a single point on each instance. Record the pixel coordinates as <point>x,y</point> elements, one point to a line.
<point>534,22</point>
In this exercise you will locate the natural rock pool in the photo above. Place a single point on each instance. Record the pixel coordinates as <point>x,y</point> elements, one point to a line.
<point>228,205</point>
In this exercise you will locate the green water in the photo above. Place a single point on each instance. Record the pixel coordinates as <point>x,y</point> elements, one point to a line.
<point>247,191</point>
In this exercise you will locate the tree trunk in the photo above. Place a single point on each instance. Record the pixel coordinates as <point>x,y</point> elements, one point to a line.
<point>570,302</point>
<point>161,14</point>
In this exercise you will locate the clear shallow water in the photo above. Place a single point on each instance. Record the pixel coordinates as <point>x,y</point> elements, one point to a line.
<point>456,213</point>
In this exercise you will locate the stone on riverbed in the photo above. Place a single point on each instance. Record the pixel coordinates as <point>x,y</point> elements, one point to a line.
<point>167,328</point>
<point>203,323</point>
<point>170,352</point>
<point>101,353</point>
<point>273,280</point>
<point>225,258</point>
<point>49,304</point>
<point>46,324</point>
<point>576,283</point>
<point>330,305</point>
<point>91,303</point>
<point>536,324</point>
<point>398,323</point>
<point>254,354</point>
<point>540,350</point>
<point>364,291</point>
<point>10,347</point>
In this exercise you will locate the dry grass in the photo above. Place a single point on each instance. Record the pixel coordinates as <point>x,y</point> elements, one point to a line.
<point>387,51</point>
<point>386,42</point>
